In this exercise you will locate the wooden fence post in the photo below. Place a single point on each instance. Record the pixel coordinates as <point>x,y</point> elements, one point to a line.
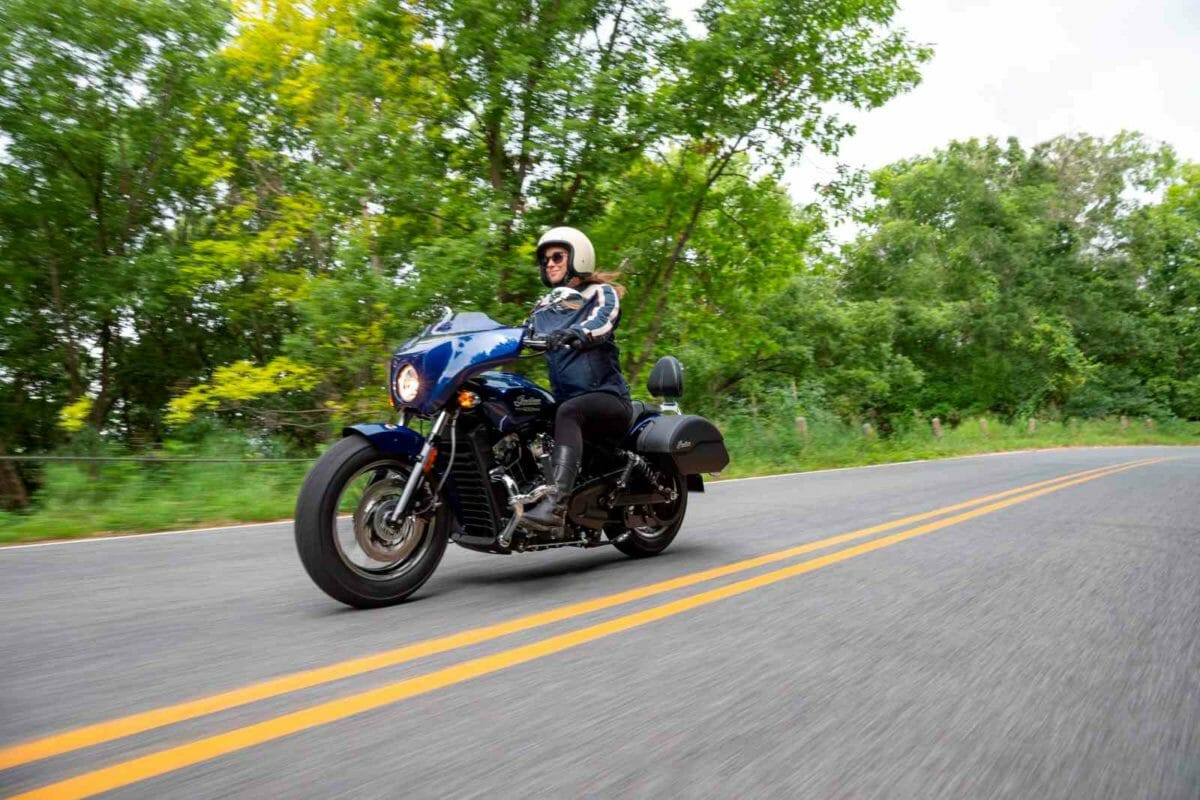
<point>868,431</point>
<point>802,426</point>
<point>1124,423</point>
<point>1032,425</point>
<point>937,428</point>
<point>983,426</point>
<point>1149,423</point>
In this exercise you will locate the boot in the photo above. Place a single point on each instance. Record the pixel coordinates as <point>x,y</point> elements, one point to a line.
<point>551,511</point>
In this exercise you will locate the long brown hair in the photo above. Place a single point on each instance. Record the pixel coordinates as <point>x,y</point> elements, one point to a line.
<point>604,277</point>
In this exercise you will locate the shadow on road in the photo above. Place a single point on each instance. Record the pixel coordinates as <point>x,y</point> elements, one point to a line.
<point>580,564</point>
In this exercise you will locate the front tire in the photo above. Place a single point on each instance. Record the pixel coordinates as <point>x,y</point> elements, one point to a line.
<point>644,541</point>
<point>343,534</point>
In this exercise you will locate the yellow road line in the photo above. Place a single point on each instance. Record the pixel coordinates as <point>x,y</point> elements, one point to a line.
<point>87,736</point>
<point>153,764</point>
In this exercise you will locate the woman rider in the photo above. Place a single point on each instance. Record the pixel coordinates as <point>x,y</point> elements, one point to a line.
<point>578,319</point>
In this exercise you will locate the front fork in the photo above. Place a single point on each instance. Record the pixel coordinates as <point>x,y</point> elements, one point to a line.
<point>418,473</point>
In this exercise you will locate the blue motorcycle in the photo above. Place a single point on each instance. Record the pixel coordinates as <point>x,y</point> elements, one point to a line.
<point>376,511</point>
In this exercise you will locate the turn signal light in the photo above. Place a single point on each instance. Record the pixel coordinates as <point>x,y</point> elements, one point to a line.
<point>467,399</point>
<point>432,458</point>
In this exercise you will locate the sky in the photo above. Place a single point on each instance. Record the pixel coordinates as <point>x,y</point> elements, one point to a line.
<point>1034,69</point>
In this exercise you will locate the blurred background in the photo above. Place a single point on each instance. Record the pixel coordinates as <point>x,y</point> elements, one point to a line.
<point>216,219</point>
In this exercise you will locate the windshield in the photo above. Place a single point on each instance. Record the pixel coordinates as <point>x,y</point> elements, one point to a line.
<point>465,322</point>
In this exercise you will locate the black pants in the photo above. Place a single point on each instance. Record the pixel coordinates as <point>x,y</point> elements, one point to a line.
<point>596,416</point>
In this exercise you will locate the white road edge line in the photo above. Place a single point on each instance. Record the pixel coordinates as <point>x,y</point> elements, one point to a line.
<point>122,536</point>
<point>117,537</point>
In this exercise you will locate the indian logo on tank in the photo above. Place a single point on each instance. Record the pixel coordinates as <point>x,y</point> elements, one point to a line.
<point>683,444</point>
<point>527,403</point>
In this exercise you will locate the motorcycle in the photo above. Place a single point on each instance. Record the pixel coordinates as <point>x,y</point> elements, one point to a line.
<point>376,511</point>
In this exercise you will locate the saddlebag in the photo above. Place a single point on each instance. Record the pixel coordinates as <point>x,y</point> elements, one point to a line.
<point>693,442</point>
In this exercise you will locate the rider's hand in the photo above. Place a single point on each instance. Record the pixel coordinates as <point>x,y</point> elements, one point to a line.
<point>564,338</point>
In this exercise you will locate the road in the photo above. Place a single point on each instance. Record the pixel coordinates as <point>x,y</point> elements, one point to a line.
<point>957,638</point>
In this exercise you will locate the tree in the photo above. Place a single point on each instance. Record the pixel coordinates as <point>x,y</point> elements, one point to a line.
<point>93,96</point>
<point>1164,243</point>
<point>1010,271</point>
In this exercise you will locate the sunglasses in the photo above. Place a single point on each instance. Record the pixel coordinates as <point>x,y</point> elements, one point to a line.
<point>554,258</point>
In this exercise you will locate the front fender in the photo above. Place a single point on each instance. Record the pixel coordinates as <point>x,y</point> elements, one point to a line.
<point>390,438</point>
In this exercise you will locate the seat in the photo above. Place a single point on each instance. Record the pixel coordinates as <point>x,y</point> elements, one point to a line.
<point>642,410</point>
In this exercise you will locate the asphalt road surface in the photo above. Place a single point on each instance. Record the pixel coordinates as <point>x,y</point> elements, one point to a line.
<point>956,638</point>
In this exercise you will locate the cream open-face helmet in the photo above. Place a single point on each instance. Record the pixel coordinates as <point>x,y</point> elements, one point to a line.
<point>581,256</point>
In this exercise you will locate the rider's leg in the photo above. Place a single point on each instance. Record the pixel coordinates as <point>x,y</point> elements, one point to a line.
<point>599,413</point>
<point>548,514</point>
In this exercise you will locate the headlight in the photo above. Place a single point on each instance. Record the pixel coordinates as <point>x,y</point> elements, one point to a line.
<point>408,383</point>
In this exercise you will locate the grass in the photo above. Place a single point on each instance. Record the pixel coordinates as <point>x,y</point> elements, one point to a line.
<point>762,447</point>
<point>84,500</point>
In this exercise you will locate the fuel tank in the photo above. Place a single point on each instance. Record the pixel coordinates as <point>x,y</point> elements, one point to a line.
<point>511,402</point>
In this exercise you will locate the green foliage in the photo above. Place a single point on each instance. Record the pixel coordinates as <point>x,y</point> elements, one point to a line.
<point>189,185</point>
<point>1013,277</point>
<point>236,386</point>
<point>94,102</point>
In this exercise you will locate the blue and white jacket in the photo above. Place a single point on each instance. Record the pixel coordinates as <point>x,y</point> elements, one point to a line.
<point>594,310</point>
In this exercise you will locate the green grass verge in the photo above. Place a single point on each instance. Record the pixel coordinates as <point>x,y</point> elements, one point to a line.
<point>127,497</point>
<point>85,500</point>
<point>762,447</point>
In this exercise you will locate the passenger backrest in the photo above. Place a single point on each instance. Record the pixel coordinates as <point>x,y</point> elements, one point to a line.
<point>666,379</point>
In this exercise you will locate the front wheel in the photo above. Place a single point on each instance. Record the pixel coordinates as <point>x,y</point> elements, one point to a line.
<point>347,542</point>
<point>650,528</point>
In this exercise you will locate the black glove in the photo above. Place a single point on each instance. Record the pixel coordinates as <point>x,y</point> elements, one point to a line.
<point>564,338</point>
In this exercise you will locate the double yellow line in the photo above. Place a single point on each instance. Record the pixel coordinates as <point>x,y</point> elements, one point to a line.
<point>138,769</point>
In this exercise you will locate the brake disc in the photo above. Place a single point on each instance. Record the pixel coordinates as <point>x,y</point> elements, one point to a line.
<point>376,534</point>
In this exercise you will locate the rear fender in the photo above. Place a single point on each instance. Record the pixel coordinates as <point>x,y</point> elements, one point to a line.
<point>390,438</point>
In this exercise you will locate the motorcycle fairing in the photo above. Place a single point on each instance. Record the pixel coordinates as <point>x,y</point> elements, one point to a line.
<point>445,360</point>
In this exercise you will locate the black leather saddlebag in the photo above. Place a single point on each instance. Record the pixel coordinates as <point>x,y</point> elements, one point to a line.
<point>693,442</point>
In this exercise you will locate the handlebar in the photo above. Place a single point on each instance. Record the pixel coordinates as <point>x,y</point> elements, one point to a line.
<point>535,343</point>
<point>539,343</point>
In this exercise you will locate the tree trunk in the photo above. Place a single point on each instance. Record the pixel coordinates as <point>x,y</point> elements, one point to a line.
<point>104,399</point>
<point>74,379</point>
<point>13,492</point>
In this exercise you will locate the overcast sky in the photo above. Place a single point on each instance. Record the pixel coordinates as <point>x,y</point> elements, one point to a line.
<point>1034,69</point>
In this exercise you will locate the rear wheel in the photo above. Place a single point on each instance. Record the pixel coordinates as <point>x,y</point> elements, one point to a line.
<point>347,542</point>
<point>651,528</point>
